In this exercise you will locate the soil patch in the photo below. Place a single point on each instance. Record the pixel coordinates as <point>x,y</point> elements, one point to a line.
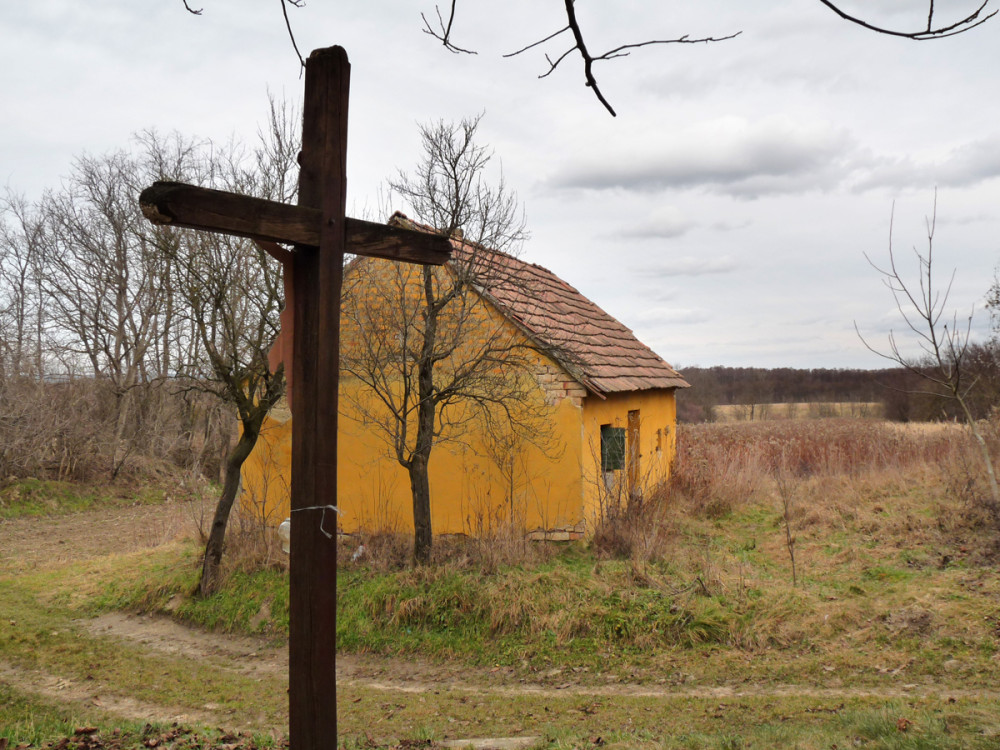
<point>44,541</point>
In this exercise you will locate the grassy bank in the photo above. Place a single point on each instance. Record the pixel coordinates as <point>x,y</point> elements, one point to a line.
<point>46,497</point>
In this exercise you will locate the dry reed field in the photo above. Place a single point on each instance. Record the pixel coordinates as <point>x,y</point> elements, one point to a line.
<point>797,410</point>
<point>720,464</point>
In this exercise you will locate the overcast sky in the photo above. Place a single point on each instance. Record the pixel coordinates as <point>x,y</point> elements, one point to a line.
<point>723,215</point>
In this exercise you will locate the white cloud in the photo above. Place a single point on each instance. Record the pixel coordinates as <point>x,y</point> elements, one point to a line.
<point>690,265</point>
<point>671,316</point>
<point>664,222</point>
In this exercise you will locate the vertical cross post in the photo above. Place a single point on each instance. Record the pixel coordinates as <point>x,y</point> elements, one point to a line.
<point>320,232</point>
<point>317,282</point>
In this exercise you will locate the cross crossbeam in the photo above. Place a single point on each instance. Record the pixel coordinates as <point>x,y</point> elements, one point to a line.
<point>180,205</point>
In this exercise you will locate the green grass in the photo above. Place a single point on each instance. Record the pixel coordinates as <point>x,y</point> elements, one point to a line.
<point>42,497</point>
<point>573,613</point>
<point>37,722</point>
<point>679,722</point>
<point>36,637</point>
<point>41,630</point>
<point>255,603</point>
<point>30,719</point>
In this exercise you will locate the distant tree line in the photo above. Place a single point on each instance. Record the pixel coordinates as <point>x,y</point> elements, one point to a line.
<point>902,394</point>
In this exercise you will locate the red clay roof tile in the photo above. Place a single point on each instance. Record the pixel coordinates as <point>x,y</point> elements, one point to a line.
<point>595,348</point>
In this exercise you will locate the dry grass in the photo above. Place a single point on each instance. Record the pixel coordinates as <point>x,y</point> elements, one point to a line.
<point>721,467</point>
<point>487,552</point>
<point>639,528</point>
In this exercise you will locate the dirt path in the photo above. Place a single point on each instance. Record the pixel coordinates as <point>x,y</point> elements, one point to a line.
<point>252,656</point>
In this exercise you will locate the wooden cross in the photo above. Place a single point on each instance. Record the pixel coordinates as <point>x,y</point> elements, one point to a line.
<point>321,234</point>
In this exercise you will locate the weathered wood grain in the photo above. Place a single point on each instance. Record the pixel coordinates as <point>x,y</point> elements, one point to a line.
<point>181,205</point>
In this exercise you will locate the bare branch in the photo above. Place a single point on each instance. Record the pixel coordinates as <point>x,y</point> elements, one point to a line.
<point>589,59</point>
<point>444,35</point>
<point>971,21</point>
<point>192,10</point>
<point>288,25</point>
<point>553,35</point>
<point>617,51</point>
<point>554,65</point>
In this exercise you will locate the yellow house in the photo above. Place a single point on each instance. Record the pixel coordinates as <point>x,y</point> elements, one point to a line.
<point>595,408</point>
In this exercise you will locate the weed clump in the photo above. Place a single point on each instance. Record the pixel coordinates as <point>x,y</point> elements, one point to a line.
<point>639,528</point>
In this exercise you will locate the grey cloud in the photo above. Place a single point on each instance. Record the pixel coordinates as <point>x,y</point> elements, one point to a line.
<point>966,220</point>
<point>966,165</point>
<point>659,293</point>
<point>758,70</point>
<point>730,226</point>
<point>670,223</point>
<point>732,157</point>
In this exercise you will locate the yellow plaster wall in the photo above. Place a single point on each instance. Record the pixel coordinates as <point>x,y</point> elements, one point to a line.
<point>657,440</point>
<point>266,474</point>
<point>468,492</point>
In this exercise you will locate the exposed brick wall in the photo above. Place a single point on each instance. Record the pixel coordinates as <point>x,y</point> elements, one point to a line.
<point>557,384</point>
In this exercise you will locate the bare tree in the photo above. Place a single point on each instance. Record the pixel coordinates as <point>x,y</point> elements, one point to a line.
<point>944,342</point>
<point>232,295</point>
<point>22,317</point>
<point>435,360</point>
<point>149,311</point>
<point>105,279</point>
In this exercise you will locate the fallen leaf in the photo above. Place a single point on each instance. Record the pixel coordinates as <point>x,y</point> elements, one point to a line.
<point>903,724</point>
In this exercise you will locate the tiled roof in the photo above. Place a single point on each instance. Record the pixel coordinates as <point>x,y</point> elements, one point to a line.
<point>595,348</point>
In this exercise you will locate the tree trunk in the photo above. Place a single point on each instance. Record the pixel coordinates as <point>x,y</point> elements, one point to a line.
<point>421,491</point>
<point>120,451</point>
<point>217,534</point>
<point>417,465</point>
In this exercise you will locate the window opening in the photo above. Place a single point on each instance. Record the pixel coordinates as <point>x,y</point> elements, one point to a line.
<point>612,448</point>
